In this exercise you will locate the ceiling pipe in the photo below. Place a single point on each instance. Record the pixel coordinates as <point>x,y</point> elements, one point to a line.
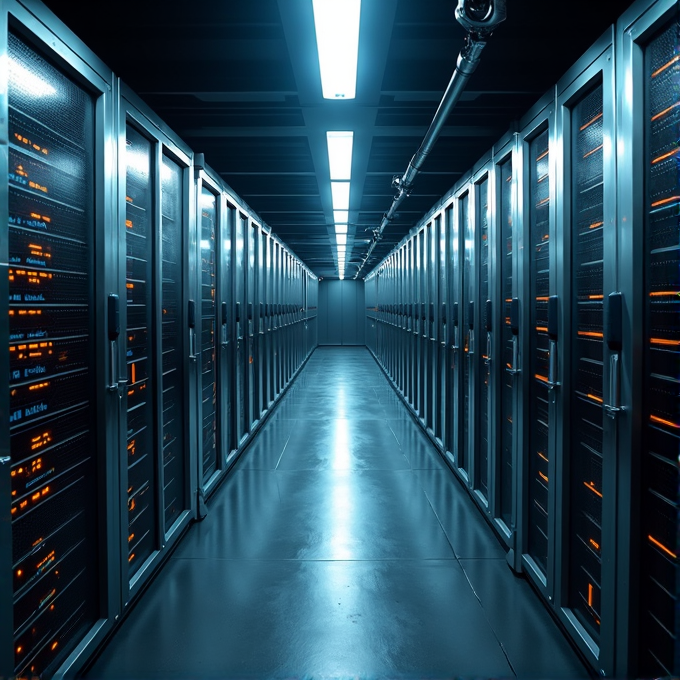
<point>479,18</point>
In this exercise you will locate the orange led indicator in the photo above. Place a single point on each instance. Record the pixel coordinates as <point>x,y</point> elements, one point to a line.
<point>596,297</point>
<point>665,111</point>
<point>665,200</point>
<point>543,155</point>
<point>664,156</point>
<point>594,398</point>
<point>54,646</point>
<point>665,293</point>
<point>590,122</point>
<point>656,419</point>
<point>20,572</point>
<point>134,374</point>
<point>595,150</point>
<point>662,341</point>
<point>674,60</point>
<point>590,334</point>
<point>128,199</point>
<point>595,225</point>
<point>543,202</point>
<point>132,557</point>
<point>542,378</point>
<point>591,486</point>
<point>662,547</point>
<point>542,329</point>
<point>595,544</point>
<point>542,455</point>
<point>542,298</point>
<point>543,477</point>
<point>128,224</point>
<point>590,594</point>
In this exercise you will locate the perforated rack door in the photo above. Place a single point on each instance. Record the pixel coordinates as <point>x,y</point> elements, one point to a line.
<point>587,356</point>
<point>142,485</point>
<point>661,372</point>
<point>539,417</point>
<point>507,387</point>
<point>51,348</point>
<point>208,333</point>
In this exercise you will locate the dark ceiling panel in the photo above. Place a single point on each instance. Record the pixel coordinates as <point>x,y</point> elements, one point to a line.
<point>239,82</point>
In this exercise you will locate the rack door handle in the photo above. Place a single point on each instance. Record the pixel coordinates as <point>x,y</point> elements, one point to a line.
<point>613,407</point>
<point>552,366</point>
<point>515,370</point>
<point>192,345</point>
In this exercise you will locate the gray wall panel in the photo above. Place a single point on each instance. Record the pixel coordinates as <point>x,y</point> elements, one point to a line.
<point>341,313</point>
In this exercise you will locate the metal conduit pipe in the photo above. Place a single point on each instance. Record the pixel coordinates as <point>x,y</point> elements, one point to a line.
<point>480,18</point>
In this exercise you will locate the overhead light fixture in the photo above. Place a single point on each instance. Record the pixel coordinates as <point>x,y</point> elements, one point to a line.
<point>341,239</point>
<point>340,154</point>
<point>341,216</point>
<point>340,228</point>
<point>337,40</point>
<point>340,193</point>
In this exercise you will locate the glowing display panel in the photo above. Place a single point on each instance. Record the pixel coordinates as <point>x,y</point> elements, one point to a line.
<point>661,415</point>
<point>53,471</point>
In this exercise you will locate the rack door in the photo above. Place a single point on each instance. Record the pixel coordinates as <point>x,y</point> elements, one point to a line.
<point>54,444</point>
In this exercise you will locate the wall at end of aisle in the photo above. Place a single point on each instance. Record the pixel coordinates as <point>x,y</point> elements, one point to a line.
<point>342,316</point>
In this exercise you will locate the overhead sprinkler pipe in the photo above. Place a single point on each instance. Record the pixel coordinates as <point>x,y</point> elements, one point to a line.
<point>479,18</point>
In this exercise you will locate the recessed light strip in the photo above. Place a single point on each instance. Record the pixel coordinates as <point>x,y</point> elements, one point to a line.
<point>337,40</point>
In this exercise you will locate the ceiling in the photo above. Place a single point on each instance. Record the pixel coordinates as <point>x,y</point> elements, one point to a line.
<point>238,80</point>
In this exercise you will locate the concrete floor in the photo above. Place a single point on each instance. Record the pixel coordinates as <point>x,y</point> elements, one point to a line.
<point>339,546</point>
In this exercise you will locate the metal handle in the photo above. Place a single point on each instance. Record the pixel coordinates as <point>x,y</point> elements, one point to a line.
<point>552,366</point>
<point>192,345</point>
<point>487,361</point>
<point>515,357</point>
<point>225,336</point>
<point>5,459</point>
<point>471,344</point>
<point>613,408</point>
<point>456,344</point>
<point>113,367</point>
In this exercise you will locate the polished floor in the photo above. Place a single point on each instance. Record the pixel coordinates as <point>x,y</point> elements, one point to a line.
<point>339,546</point>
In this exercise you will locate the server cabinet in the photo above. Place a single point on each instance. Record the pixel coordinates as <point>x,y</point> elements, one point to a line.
<point>269,321</point>
<point>276,318</point>
<point>505,340</point>
<point>442,344</point>
<point>466,433</point>
<point>648,77</point>
<point>214,403</point>
<point>430,334</point>
<point>480,351</point>
<point>252,232</point>
<point>161,342</point>
<point>587,361</point>
<point>59,588</point>
<point>453,265</point>
<point>227,358</point>
<point>241,321</point>
<point>536,280</point>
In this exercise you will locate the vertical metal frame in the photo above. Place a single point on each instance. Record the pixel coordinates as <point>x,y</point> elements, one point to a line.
<point>539,118</point>
<point>595,67</point>
<point>40,28</point>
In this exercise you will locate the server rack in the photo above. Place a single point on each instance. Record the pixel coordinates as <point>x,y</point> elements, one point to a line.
<point>241,321</point>
<point>586,432</point>
<point>441,423</point>
<point>536,281</point>
<point>648,78</point>
<point>157,273</point>
<point>57,494</point>
<point>505,341</point>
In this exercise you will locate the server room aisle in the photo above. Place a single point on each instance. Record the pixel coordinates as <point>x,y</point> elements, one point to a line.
<point>341,545</point>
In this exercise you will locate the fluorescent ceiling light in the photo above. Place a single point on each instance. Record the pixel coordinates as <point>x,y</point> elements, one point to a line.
<point>340,228</point>
<point>340,192</point>
<point>337,40</point>
<point>340,238</point>
<point>341,216</point>
<point>340,154</point>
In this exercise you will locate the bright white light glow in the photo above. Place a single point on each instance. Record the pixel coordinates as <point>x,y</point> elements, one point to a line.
<point>341,239</point>
<point>341,216</point>
<point>340,228</point>
<point>342,276</point>
<point>340,192</point>
<point>205,244</point>
<point>27,81</point>
<point>340,154</point>
<point>337,40</point>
